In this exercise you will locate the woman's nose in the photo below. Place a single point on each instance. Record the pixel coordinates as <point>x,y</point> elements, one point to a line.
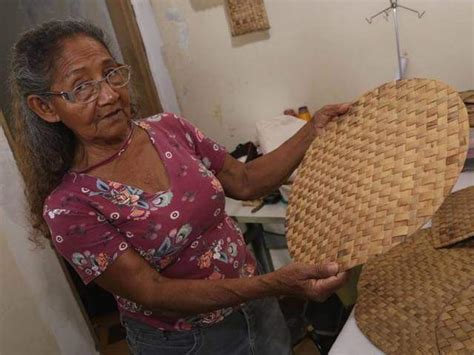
<point>107,94</point>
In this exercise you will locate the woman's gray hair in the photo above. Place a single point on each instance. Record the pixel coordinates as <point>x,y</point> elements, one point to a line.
<point>32,67</point>
<point>45,151</point>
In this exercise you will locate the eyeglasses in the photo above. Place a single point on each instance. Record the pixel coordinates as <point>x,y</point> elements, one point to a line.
<point>89,91</point>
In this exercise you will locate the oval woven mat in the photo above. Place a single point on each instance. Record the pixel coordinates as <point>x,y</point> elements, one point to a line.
<point>455,328</point>
<point>454,220</point>
<point>402,293</point>
<point>378,173</point>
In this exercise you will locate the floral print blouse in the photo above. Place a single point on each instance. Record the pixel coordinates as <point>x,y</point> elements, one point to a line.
<point>182,232</point>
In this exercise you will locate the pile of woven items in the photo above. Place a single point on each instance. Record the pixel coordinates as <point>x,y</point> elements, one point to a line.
<point>468,98</point>
<point>418,298</point>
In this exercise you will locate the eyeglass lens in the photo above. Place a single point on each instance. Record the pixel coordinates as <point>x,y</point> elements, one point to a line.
<point>117,78</point>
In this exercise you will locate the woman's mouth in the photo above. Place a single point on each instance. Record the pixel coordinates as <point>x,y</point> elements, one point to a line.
<point>112,114</point>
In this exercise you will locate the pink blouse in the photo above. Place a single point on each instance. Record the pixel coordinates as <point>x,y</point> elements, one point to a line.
<point>182,232</point>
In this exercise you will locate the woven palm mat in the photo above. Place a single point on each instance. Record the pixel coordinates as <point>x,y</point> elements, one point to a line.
<point>402,293</point>
<point>378,173</point>
<point>454,221</point>
<point>247,16</point>
<point>455,327</point>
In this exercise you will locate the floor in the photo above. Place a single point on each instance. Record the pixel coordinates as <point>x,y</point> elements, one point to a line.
<point>111,338</point>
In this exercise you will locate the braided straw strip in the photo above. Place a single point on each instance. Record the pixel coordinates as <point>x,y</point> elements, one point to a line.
<point>378,173</point>
<point>454,221</point>
<point>402,293</point>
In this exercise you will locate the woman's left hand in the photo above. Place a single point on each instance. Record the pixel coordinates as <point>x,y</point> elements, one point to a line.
<point>327,114</point>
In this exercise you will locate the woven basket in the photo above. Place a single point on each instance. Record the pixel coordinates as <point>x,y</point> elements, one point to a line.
<point>403,293</point>
<point>454,221</point>
<point>378,173</point>
<point>247,16</point>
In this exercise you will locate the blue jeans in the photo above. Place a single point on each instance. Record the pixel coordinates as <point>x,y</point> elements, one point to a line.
<point>257,328</point>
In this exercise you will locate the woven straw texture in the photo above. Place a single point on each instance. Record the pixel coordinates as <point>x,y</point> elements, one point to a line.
<point>455,328</point>
<point>468,98</point>
<point>247,16</point>
<point>378,173</point>
<point>454,221</point>
<point>403,292</point>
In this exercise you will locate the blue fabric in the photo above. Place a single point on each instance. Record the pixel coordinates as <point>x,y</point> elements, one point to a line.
<point>258,328</point>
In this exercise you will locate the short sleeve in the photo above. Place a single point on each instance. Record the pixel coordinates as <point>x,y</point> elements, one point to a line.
<point>211,153</point>
<point>83,236</point>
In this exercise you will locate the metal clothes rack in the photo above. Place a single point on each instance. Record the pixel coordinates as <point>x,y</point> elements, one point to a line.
<point>394,7</point>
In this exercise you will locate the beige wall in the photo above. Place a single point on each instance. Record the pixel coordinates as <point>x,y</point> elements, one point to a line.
<point>38,313</point>
<point>316,52</point>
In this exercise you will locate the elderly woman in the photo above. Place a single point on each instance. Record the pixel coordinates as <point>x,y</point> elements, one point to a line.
<point>137,205</point>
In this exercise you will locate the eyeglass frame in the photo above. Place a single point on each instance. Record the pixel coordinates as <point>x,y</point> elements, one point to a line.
<point>71,97</point>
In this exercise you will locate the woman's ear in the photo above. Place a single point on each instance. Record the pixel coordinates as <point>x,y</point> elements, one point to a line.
<point>42,108</point>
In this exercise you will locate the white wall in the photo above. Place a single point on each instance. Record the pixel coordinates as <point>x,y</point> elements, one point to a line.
<point>38,313</point>
<point>153,43</point>
<point>316,52</point>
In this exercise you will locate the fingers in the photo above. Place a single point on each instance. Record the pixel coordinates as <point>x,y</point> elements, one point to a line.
<point>343,108</point>
<point>336,110</point>
<point>321,271</point>
<point>330,284</point>
<point>329,113</point>
<point>321,289</point>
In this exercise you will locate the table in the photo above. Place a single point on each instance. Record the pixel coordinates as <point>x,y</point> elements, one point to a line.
<point>351,341</point>
<point>274,213</point>
<point>255,235</point>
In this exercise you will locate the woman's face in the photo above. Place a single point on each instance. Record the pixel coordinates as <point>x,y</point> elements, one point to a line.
<point>104,120</point>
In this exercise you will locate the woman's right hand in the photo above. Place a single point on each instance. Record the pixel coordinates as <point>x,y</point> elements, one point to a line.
<point>316,282</point>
